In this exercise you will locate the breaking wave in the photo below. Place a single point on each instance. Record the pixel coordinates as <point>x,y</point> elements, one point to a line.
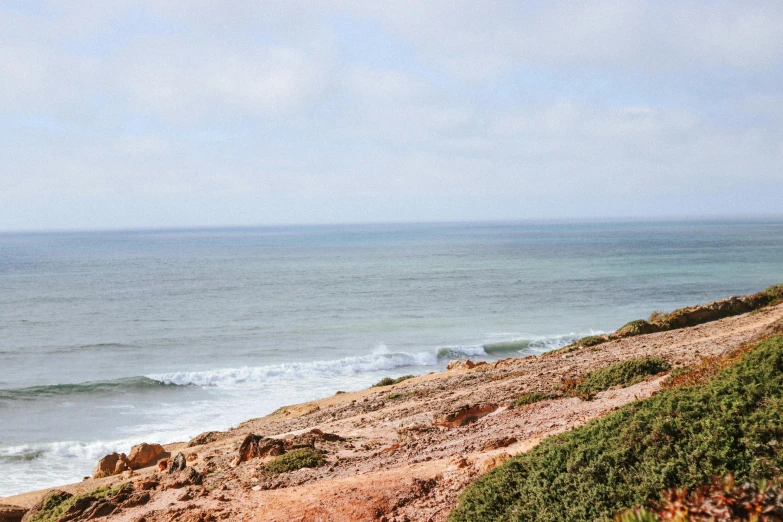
<point>67,449</point>
<point>124,385</point>
<point>381,359</point>
<point>288,371</point>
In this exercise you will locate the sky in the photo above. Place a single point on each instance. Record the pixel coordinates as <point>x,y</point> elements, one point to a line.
<point>144,114</point>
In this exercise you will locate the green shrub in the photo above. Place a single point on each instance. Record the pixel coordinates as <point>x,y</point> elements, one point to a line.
<point>591,340</point>
<point>530,398</point>
<point>296,459</point>
<point>388,381</point>
<point>679,438</point>
<point>624,373</point>
<point>638,327</point>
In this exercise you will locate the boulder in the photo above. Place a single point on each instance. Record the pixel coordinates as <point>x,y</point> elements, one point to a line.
<point>9,513</point>
<point>258,446</point>
<point>179,463</point>
<point>143,455</point>
<point>111,464</point>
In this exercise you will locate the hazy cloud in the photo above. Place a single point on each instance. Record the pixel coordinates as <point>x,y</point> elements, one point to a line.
<point>132,113</point>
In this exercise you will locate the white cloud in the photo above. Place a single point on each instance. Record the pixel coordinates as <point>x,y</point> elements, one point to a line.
<point>197,83</point>
<point>302,105</point>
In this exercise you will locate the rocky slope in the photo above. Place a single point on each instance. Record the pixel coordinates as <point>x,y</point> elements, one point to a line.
<point>396,453</point>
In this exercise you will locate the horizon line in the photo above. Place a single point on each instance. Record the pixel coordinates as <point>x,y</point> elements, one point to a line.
<point>554,220</point>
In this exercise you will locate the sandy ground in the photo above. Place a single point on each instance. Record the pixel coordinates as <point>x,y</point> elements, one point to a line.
<point>404,456</point>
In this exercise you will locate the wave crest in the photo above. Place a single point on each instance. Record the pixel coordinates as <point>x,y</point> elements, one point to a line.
<point>60,390</point>
<point>259,374</point>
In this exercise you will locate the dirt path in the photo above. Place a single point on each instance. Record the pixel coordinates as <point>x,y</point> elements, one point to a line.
<point>404,456</point>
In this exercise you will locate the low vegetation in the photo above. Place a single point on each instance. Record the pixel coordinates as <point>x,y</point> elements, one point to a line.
<point>591,340</point>
<point>684,317</point>
<point>56,504</point>
<point>679,438</point>
<point>722,501</point>
<point>294,460</point>
<point>625,373</point>
<point>388,381</point>
<point>531,398</point>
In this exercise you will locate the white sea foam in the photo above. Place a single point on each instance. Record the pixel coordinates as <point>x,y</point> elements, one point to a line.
<point>229,377</point>
<point>379,360</point>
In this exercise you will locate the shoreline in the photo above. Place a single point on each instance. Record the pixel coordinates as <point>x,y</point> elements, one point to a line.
<point>405,453</point>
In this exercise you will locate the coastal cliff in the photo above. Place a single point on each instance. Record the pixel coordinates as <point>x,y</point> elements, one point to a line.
<point>407,451</point>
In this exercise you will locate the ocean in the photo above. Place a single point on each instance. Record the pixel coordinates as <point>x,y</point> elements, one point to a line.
<point>108,339</point>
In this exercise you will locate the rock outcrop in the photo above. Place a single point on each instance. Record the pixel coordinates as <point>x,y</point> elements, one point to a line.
<point>464,415</point>
<point>52,498</point>
<point>258,446</point>
<point>111,464</point>
<point>143,455</point>
<point>206,438</point>
<point>9,513</point>
<point>179,463</point>
<point>88,506</point>
<point>309,439</point>
<point>467,364</point>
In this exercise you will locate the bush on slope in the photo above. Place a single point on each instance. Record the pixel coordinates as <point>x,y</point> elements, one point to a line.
<point>679,438</point>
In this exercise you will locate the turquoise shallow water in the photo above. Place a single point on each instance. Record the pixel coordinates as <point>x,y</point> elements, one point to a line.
<point>110,338</point>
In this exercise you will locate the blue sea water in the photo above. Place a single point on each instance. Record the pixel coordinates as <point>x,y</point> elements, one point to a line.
<point>112,338</point>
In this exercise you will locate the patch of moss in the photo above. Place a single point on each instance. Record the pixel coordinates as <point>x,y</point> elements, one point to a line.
<point>625,373</point>
<point>638,327</point>
<point>56,504</point>
<point>531,398</point>
<point>679,438</point>
<point>388,381</point>
<point>293,460</point>
<point>591,340</point>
